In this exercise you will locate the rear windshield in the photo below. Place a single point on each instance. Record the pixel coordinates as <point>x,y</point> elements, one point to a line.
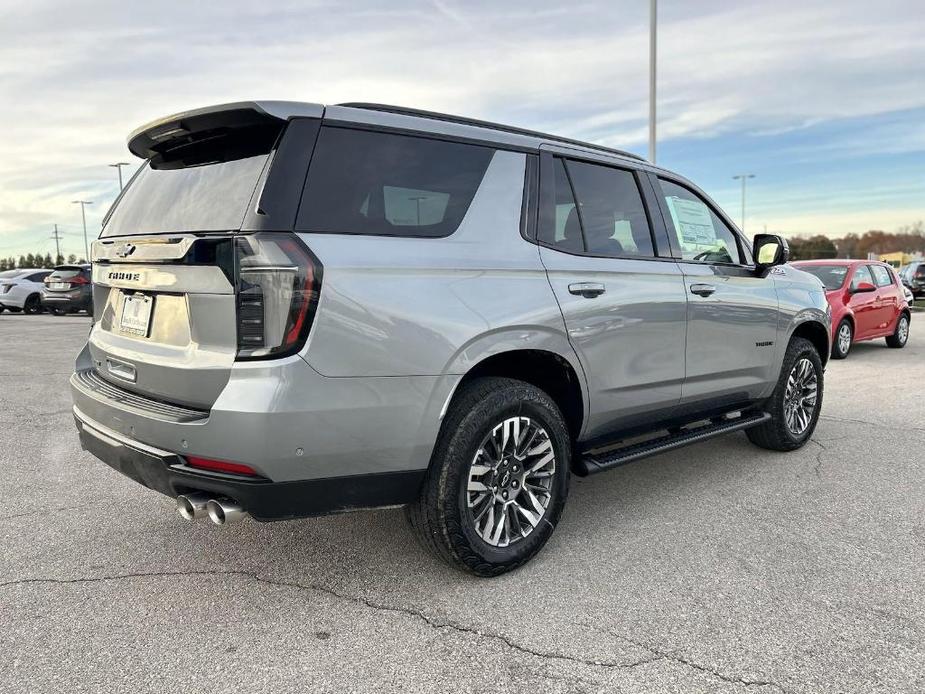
<point>66,273</point>
<point>205,186</point>
<point>832,276</point>
<point>376,183</point>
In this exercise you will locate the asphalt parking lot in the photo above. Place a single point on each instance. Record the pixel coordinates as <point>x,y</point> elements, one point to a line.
<point>716,568</point>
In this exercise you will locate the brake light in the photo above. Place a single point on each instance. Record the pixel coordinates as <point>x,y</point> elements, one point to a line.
<point>79,279</point>
<point>278,283</point>
<point>220,466</point>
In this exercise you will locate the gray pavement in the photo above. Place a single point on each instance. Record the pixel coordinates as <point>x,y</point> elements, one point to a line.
<point>716,568</point>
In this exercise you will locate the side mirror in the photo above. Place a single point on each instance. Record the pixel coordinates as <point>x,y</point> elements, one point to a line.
<point>769,250</point>
<point>863,287</point>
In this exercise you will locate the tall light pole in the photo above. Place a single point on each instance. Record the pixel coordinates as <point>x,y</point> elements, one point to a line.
<point>118,166</point>
<point>743,177</point>
<point>57,237</point>
<point>83,214</point>
<point>653,17</point>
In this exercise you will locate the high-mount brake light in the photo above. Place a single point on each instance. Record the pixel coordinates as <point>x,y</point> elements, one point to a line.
<point>278,283</point>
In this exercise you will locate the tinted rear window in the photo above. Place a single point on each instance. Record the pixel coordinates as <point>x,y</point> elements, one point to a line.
<point>375,183</point>
<point>66,273</point>
<point>832,276</point>
<point>205,186</point>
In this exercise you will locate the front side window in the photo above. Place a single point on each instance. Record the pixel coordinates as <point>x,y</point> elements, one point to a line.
<point>881,276</point>
<point>363,182</point>
<point>611,211</point>
<point>861,274</point>
<point>701,235</point>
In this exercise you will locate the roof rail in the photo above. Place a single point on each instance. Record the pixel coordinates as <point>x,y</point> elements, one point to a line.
<point>487,124</point>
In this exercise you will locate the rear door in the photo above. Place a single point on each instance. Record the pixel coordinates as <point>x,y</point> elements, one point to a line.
<point>732,309</point>
<point>624,305</point>
<point>888,298</point>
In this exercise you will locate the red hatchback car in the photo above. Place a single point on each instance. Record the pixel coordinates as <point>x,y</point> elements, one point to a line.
<point>867,302</point>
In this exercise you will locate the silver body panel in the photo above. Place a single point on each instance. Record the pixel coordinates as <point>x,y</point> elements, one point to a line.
<point>400,321</point>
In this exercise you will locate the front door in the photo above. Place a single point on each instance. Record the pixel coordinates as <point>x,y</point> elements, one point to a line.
<point>624,307</point>
<point>732,309</point>
<point>863,302</point>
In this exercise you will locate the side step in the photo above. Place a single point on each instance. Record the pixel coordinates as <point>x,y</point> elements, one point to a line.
<point>591,463</point>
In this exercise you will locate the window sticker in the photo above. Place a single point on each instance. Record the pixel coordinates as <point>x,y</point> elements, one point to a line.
<point>692,220</point>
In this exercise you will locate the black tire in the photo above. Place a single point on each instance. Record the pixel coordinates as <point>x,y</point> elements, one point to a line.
<point>32,305</point>
<point>900,336</point>
<point>775,434</point>
<point>2,309</point>
<point>838,352</point>
<point>441,517</point>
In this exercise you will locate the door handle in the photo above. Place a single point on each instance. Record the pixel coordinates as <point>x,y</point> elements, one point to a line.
<point>702,289</point>
<point>588,290</point>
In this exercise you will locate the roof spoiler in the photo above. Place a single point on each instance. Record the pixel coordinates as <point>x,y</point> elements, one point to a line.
<point>166,133</point>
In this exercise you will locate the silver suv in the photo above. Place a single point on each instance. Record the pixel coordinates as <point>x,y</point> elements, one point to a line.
<point>302,310</point>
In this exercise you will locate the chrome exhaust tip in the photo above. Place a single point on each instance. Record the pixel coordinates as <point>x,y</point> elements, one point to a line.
<point>224,511</point>
<point>192,506</point>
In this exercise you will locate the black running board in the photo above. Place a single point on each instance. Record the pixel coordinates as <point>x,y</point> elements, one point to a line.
<point>591,463</point>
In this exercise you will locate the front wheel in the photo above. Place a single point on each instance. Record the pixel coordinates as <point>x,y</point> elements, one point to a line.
<point>498,479</point>
<point>795,404</point>
<point>843,337</point>
<point>901,335</point>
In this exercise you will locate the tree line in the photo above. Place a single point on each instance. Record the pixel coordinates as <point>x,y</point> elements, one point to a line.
<point>37,260</point>
<point>908,239</point>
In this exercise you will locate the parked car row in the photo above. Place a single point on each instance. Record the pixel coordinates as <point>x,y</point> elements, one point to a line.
<point>64,289</point>
<point>912,276</point>
<point>868,301</point>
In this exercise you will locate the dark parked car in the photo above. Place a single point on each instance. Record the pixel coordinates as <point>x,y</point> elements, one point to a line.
<point>913,276</point>
<point>68,289</point>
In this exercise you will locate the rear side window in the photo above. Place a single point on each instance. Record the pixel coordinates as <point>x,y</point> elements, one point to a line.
<point>882,276</point>
<point>203,186</point>
<point>701,234</point>
<point>363,182</point>
<point>565,234</point>
<point>38,277</point>
<point>611,211</point>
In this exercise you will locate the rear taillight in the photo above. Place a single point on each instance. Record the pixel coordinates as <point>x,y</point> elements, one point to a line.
<point>278,283</point>
<point>80,279</point>
<point>4,288</point>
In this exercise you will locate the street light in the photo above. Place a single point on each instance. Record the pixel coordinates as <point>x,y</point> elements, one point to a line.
<point>83,214</point>
<point>743,177</point>
<point>653,17</point>
<point>118,166</point>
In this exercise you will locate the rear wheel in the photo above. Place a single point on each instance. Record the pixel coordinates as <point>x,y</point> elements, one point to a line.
<point>795,404</point>
<point>498,480</point>
<point>33,304</point>
<point>843,337</point>
<point>901,335</point>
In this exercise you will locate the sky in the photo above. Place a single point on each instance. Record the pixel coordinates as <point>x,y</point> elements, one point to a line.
<point>824,101</point>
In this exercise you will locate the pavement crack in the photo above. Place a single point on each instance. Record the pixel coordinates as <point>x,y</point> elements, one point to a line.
<point>879,425</point>
<point>364,602</point>
<point>818,466</point>
<point>674,657</point>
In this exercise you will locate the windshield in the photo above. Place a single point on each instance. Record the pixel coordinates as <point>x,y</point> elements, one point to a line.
<point>200,187</point>
<point>832,276</point>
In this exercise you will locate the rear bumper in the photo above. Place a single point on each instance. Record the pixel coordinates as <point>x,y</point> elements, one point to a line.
<point>67,300</point>
<point>167,473</point>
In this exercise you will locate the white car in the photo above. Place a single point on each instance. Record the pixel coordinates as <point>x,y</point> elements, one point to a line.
<point>21,290</point>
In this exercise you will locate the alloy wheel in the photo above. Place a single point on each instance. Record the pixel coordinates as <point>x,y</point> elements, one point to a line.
<point>844,338</point>
<point>510,481</point>
<point>902,330</point>
<point>801,396</point>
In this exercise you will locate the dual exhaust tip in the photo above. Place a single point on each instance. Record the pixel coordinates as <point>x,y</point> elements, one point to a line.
<point>220,511</point>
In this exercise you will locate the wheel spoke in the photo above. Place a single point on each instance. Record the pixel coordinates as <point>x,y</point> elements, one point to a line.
<point>509,483</point>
